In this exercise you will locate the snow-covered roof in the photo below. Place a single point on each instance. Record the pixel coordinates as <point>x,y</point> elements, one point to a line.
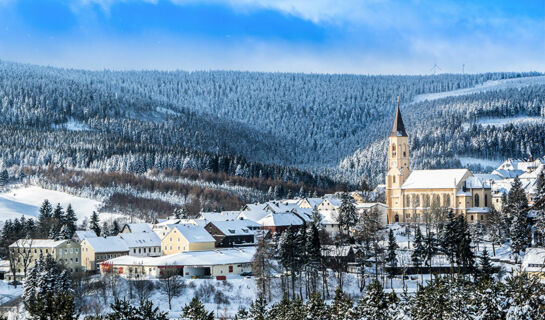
<point>254,206</point>
<point>141,239</point>
<point>477,183</point>
<point>477,210</point>
<point>487,176</point>
<point>435,179</point>
<point>108,244</point>
<point>534,260</point>
<point>370,205</point>
<point>335,251</point>
<point>219,216</point>
<point>333,199</point>
<point>193,234</point>
<point>280,219</point>
<point>329,217</point>
<point>254,215</point>
<point>507,174</point>
<point>234,228</point>
<point>191,258</point>
<point>84,234</point>
<point>280,206</point>
<point>37,243</point>
<point>139,227</point>
<point>313,202</point>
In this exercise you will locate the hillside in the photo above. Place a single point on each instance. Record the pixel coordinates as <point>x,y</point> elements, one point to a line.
<point>310,130</point>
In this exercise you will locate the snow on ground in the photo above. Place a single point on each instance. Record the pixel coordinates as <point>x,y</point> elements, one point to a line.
<point>26,201</point>
<point>72,125</point>
<point>487,86</point>
<point>8,292</point>
<point>483,162</point>
<point>500,122</point>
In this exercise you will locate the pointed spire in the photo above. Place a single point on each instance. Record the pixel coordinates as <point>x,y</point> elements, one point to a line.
<point>398,129</point>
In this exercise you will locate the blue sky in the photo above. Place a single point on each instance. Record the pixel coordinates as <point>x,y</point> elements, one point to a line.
<point>313,36</point>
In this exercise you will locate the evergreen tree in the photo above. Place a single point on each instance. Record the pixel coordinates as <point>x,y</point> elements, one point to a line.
<point>494,228</point>
<point>347,213</point>
<point>374,304</point>
<point>45,218</point>
<point>391,255</point>
<point>105,230</point>
<point>115,228</point>
<point>418,251</point>
<point>195,311</point>
<point>526,297</point>
<point>517,203</point>
<point>70,221</point>
<point>258,309</point>
<point>315,307</point>
<point>93,224</point>
<point>57,223</point>
<point>4,177</point>
<point>287,252</point>
<point>486,271</point>
<point>341,308</point>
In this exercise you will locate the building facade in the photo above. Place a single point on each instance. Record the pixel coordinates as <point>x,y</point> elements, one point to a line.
<point>422,195</point>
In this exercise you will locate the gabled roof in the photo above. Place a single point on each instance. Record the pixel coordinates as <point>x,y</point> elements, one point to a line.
<point>193,234</point>
<point>434,179</point>
<point>219,216</point>
<point>398,129</point>
<point>83,234</point>
<point>138,227</point>
<point>37,243</point>
<point>313,202</point>
<point>108,244</point>
<point>141,239</point>
<point>233,228</point>
<point>280,219</point>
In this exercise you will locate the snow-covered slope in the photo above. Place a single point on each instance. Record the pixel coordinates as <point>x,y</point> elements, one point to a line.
<point>487,86</point>
<point>27,200</point>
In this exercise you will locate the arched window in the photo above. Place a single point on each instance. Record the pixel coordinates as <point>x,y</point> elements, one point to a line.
<point>407,201</point>
<point>397,218</point>
<point>394,179</point>
<point>436,200</point>
<point>446,200</point>
<point>476,200</point>
<point>416,200</point>
<point>486,200</point>
<point>404,150</point>
<point>427,200</point>
<point>393,150</point>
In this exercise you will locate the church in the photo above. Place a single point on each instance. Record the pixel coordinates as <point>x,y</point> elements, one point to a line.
<point>419,195</point>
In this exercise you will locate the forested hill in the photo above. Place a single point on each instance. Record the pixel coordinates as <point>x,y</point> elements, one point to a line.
<point>135,121</point>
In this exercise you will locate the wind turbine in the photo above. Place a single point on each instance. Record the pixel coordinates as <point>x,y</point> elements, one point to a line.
<point>435,68</point>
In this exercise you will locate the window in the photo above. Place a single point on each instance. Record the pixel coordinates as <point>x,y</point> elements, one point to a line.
<point>230,268</point>
<point>393,150</point>
<point>471,218</point>
<point>397,218</point>
<point>476,200</point>
<point>486,200</point>
<point>394,177</point>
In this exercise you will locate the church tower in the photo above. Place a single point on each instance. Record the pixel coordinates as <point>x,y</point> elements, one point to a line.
<point>398,168</point>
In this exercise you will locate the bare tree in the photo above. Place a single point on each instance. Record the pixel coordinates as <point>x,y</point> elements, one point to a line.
<point>20,255</point>
<point>171,284</point>
<point>262,267</point>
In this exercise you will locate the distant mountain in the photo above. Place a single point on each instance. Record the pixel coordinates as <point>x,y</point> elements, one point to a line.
<point>251,124</point>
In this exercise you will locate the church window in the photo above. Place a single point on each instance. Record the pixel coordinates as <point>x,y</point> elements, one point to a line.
<point>476,200</point>
<point>471,218</point>
<point>408,201</point>
<point>394,179</point>
<point>486,200</point>
<point>446,200</point>
<point>426,200</point>
<point>393,150</point>
<point>397,218</point>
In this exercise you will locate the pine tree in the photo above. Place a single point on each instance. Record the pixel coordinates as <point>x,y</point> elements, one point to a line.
<point>93,224</point>
<point>44,218</point>
<point>374,304</point>
<point>195,311</point>
<point>341,308</point>
<point>347,213</point>
<point>258,309</point>
<point>391,255</point>
<point>517,203</point>
<point>418,251</point>
<point>57,223</point>
<point>526,297</point>
<point>105,230</point>
<point>315,307</point>
<point>147,311</point>
<point>115,228</point>
<point>4,177</point>
<point>486,270</point>
<point>70,221</point>
<point>494,228</point>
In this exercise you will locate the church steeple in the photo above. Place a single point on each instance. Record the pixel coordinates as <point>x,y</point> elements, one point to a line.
<point>398,130</point>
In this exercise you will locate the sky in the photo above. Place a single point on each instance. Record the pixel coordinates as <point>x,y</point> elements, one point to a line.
<point>311,36</point>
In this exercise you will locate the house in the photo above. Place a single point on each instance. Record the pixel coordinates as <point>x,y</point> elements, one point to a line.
<point>412,195</point>
<point>136,228</point>
<point>142,244</point>
<point>99,249</point>
<point>163,227</point>
<point>380,208</point>
<point>311,203</point>
<point>330,203</point>
<point>534,262</point>
<point>79,235</point>
<point>280,222</point>
<point>183,237</point>
<point>232,233</point>
<point>213,263</point>
<point>26,252</point>
<point>338,254</point>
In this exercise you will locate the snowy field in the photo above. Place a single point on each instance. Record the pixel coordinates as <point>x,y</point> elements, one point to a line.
<point>26,201</point>
<point>487,86</point>
<point>72,125</point>
<point>500,122</point>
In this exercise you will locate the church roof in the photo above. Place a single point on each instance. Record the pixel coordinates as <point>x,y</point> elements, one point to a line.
<point>434,179</point>
<point>398,130</point>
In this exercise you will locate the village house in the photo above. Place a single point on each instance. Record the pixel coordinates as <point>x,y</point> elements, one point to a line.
<point>280,222</point>
<point>310,203</point>
<point>232,233</point>
<point>183,238</point>
<point>96,250</point>
<point>79,235</point>
<point>213,263</point>
<point>25,253</point>
<point>136,228</point>
<point>534,262</point>
<point>142,244</point>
